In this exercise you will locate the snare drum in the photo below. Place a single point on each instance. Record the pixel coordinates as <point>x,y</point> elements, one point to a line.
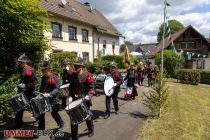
<point>39,106</point>
<point>65,90</point>
<point>78,111</point>
<point>19,102</point>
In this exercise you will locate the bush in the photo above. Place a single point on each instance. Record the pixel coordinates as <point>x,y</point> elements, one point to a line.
<point>189,76</point>
<point>56,60</point>
<point>171,62</point>
<point>6,92</point>
<point>92,67</point>
<point>205,77</point>
<point>119,59</point>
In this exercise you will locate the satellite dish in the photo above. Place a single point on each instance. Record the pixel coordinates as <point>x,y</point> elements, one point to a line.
<point>64,2</point>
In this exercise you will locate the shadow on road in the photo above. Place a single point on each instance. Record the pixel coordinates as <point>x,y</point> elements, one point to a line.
<point>97,114</point>
<point>138,115</point>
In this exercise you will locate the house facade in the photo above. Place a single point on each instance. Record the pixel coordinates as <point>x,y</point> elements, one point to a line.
<point>76,27</point>
<point>195,46</point>
<point>106,44</point>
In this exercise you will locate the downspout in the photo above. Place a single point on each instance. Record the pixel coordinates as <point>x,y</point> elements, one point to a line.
<point>93,44</point>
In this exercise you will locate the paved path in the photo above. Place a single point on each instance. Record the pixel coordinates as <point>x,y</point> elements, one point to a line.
<point>124,126</point>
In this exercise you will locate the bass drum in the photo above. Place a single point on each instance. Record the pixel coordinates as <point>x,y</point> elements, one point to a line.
<point>109,85</point>
<point>78,111</point>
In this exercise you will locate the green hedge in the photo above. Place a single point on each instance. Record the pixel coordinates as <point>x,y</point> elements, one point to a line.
<point>205,77</point>
<point>6,92</point>
<point>189,76</point>
<point>56,60</point>
<point>119,59</point>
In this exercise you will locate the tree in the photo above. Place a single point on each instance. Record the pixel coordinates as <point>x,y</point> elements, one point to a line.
<point>172,62</point>
<point>122,48</point>
<point>128,43</point>
<point>156,98</point>
<point>22,25</point>
<point>174,26</point>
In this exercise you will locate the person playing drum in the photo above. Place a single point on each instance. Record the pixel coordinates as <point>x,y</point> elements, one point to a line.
<point>118,81</point>
<point>81,85</point>
<point>28,80</point>
<point>49,88</point>
<point>67,71</point>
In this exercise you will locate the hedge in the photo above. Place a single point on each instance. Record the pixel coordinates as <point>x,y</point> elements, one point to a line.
<point>56,60</point>
<point>205,77</point>
<point>6,92</point>
<point>119,59</point>
<point>189,76</point>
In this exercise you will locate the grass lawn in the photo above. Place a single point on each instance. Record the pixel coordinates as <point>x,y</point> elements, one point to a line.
<point>186,117</point>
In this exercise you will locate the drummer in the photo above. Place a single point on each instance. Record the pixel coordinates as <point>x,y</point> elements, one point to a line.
<point>118,80</point>
<point>81,85</point>
<point>49,88</point>
<point>67,71</point>
<point>28,80</point>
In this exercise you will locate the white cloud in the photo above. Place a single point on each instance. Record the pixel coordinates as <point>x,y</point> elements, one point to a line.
<point>139,20</point>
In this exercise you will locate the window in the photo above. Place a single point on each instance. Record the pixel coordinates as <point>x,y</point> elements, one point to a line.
<point>56,30</point>
<point>85,56</point>
<point>200,64</point>
<point>72,33</point>
<point>187,45</point>
<point>104,47</point>
<point>85,35</point>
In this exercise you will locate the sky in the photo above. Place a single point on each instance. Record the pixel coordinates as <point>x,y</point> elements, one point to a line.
<point>139,20</point>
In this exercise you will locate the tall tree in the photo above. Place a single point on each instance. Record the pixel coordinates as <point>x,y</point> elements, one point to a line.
<point>128,43</point>
<point>22,25</point>
<point>174,26</point>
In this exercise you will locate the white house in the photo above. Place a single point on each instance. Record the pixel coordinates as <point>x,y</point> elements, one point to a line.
<point>76,27</point>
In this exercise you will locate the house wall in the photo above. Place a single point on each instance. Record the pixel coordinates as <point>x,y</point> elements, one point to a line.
<point>109,40</point>
<point>207,63</point>
<point>200,47</point>
<point>68,45</point>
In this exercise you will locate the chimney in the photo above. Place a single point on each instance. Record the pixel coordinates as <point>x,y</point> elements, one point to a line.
<point>89,6</point>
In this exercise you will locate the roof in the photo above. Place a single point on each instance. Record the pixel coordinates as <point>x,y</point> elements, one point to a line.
<point>142,47</point>
<point>175,36</point>
<point>79,12</point>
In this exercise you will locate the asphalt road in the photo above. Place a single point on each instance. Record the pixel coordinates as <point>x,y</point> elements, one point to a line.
<point>124,126</point>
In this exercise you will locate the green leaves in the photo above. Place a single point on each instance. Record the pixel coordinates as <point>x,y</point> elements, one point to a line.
<point>174,26</point>
<point>21,31</point>
<point>6,91</point>
<point>171,62</point>
<point>189,76</point>
<point>156,98</point>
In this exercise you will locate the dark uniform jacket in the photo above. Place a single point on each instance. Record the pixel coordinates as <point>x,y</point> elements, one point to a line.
<point>131,79</point>
<point>50,84</point>
<point>28,77</point>
<point>66,75</point>
<point>81,85</point>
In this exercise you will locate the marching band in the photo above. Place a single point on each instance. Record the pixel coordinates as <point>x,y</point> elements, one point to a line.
<point>78,87</point>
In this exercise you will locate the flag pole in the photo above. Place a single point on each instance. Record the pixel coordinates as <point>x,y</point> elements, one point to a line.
<point>163,40</point>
